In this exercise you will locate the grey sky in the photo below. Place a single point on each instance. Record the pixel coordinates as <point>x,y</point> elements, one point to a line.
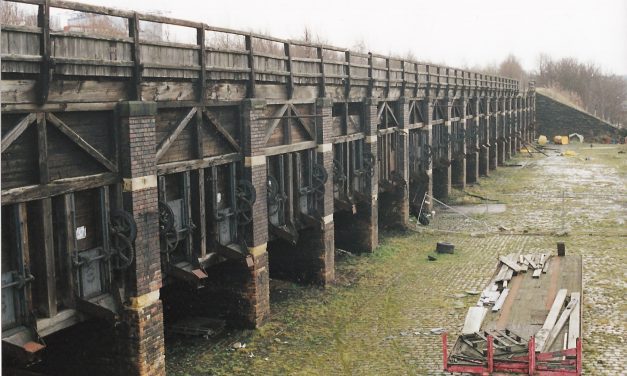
<point>455,32</point>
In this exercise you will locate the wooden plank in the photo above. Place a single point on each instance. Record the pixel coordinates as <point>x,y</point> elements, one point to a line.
<point>550,320</point>
<point>202,61</point>
<point>202,220</point>
<point>572,305</point>
<point>502,273</point>
<point>43,21</point>
<point>17,131</point>
<point>474,318</point>
<point>222,131</point>
<point>23,244</point>
<point>529,259</point>
<point>499,303</point>
<point>48,282</point>
<point>510,264</point>
<point>175,167</point>
<point>70,246</point>
<point>42,146</point>
<point>165,145</point>
<point>323,79</point>
<point>298,118</point>
<point>537,273</point>
<point>282,149</point>
<point>57,187</point>
<point>80,142</point>
<point>251,65</point>
<point>278,116</point>
<point>290,78</point>
<point>545,268</point>
<point>188,212</point>
<point>574,322</point>
<point>133,32</point>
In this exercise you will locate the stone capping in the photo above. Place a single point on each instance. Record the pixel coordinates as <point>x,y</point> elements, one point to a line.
<point>137,108</point>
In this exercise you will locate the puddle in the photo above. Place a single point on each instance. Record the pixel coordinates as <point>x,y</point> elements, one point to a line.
<point>480,209</point>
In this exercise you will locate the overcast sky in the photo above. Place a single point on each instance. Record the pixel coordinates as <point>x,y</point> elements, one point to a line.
<point>456,32</point>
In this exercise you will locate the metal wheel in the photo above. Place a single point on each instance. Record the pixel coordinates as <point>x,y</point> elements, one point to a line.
<point>166,217</point>
<point>273,195</point>
<point>427,154</point>
<point>123,252</point>
<point>169,241</point>
<point>246,196</point>
<point>122,222</point>
<point>339,178</point>
<point>369,162</point>
<point>320,175</point>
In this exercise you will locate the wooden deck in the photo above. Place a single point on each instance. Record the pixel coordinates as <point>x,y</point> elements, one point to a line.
<point>529,300</point>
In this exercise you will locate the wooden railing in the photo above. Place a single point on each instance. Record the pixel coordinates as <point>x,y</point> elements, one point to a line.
<point>259,59</point>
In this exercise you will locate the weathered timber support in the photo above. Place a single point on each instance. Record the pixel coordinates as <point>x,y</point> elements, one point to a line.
<point>484,133</point>
<point>493,132</point>
<point>139,342</point>
<point>501,137</point>
<point>312,258</point>
<point>474,147</point>
<point>358,231</point>
<point>393,203</point>
<point>442,170</point>
<point>458,163</point>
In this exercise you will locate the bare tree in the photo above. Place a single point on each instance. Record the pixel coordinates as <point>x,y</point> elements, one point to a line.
<point>16,14</point>
<point>511,67</point>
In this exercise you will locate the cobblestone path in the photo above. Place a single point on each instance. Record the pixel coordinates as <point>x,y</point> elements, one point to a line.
<point>376,319</point>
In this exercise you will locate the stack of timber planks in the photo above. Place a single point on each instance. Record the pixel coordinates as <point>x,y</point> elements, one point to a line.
<point>496,292</point>
<point>512,307</point>
<point>563,311</point>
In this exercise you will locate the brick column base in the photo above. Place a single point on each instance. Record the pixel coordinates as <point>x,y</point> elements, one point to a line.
<point>311,260</point>
<point>502,150</point>
<point>472,168</point>
<point>140,346</point>
<point>494,152</point>
<point>484,161</point>
<point>140,337</point>
<point>458,173</point>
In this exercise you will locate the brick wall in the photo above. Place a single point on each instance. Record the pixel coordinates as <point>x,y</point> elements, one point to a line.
<point>140,340</point>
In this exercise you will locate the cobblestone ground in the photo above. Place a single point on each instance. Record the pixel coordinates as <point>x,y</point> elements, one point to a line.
<point>377,318</point>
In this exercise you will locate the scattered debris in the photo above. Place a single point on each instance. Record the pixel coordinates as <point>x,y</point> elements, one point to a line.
<point>437,330</point>
<point>445,247</point>
<point>431,258</point>
<point>237,346</point>
<point>343,252</point>
<point>198,326</point>
<point>483,347</point>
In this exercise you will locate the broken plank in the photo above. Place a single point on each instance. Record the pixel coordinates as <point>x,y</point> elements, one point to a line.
<point>545,268</point>
<point>550,320</point>
<point>574,322</point>
<point>474,319</point>
<point>536,273</point>
<point>574,304</point>
<point>502,272</point>
<point>500,300</point>
<point>529,259</point>
<point>513,265</point>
